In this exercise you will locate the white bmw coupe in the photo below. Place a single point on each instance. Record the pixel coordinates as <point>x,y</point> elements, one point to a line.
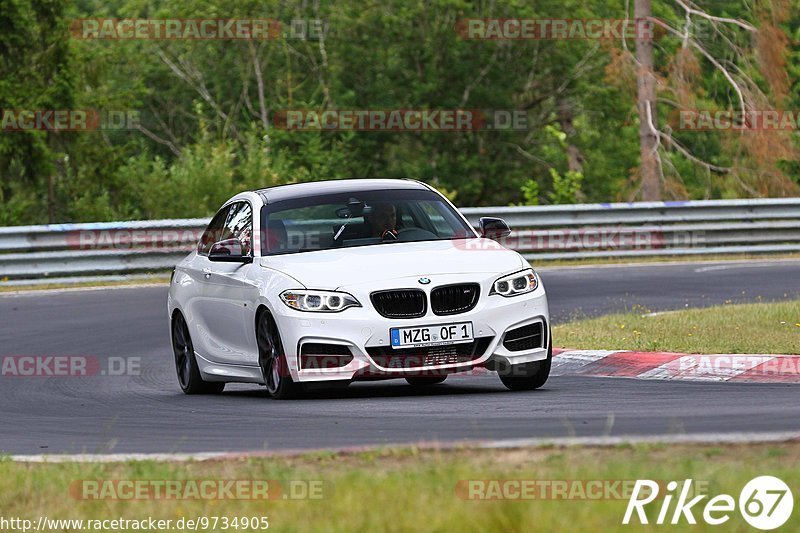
<point>344,280</point>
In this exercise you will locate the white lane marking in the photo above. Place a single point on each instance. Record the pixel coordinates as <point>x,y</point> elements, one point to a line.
<point>659,313</point>
<point>40,292</point>
<point>733,263</point>
<point>573,360</point>
<point>587,356</point>
<point>696,438</point>
<point>122,457</point>
<point>739,265</point>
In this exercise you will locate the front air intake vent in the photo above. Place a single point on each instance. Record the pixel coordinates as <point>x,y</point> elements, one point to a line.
<point>316,356</point>
<point>524,338</point>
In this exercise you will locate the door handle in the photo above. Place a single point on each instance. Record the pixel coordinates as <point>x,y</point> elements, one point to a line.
<point>207,273</point>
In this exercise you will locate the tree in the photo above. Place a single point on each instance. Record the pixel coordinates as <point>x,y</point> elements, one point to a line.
<point>650,167</point>
<point>35,74</point>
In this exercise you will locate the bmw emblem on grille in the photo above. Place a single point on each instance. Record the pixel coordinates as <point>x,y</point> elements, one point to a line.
<point>424,281</point>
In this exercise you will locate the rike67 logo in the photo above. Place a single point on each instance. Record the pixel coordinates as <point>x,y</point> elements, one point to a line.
<point>765,503</point>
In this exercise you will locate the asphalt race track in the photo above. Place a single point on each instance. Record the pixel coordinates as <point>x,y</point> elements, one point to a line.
<point>148,413</point>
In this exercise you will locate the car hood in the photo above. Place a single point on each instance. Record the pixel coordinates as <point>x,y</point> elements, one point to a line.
<point>332,269</point>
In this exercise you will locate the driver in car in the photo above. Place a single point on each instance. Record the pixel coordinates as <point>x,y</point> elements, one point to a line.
<point>382,220</point>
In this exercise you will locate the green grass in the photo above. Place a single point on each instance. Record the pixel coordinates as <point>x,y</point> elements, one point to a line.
<point>742,328</point>
<point>409,489</point>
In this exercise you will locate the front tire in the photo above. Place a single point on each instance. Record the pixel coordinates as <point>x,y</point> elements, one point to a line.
<point>528,376</point>
<point>272,360</point>
<point>189,377</point>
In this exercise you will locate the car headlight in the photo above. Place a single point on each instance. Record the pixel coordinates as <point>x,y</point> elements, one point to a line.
<point>319,301</point>
<point>515,284</point>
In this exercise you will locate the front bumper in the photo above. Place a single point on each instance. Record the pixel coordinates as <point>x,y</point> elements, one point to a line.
<point>365,334</point>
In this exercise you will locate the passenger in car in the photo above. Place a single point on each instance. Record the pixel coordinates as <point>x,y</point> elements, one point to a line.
<point>382,220</point>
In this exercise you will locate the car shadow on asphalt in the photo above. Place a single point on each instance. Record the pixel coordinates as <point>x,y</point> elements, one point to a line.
<point>399,389</point>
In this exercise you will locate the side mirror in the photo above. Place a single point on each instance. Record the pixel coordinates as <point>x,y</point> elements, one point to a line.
<point>494,228</point>
<point>228,251</point>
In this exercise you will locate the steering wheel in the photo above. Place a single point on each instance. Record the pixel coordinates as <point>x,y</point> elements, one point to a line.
<point>415,234</point>
<point>389,235</point>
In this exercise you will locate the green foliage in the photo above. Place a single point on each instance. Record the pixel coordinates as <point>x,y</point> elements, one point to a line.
<point>205,135</point>
<point>530,191</point>
<point>566,187</point>
<point>35,73</point>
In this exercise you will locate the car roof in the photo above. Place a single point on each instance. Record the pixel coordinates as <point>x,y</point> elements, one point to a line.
<point>314,188</point>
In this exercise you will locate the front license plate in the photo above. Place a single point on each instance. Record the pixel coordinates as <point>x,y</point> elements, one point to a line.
<point>431,335</point>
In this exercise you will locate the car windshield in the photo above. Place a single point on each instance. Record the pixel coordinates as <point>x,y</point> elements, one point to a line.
<point>362,218</point>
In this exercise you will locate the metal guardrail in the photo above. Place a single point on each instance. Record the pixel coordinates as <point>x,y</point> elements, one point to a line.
<point>75,251</point>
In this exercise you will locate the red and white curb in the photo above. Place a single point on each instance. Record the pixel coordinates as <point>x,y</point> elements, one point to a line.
<point>756,368</point>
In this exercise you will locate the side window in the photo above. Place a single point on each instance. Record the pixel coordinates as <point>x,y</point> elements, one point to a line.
<point>213,232</point>
<point>239,225</point>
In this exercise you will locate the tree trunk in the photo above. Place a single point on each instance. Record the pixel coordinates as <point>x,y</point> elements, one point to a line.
<point>566,117</point>
<point>50,200</point>
<point>646,100</point>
